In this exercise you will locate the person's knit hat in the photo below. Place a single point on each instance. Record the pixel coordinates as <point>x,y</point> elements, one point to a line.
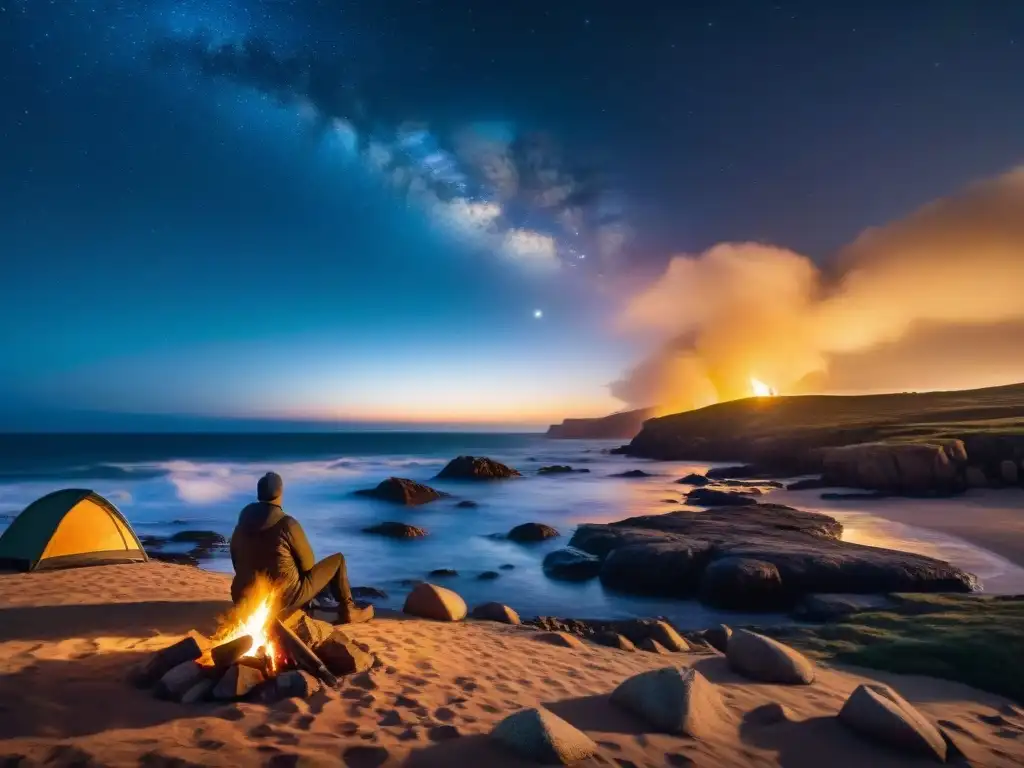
<point>270,487</point>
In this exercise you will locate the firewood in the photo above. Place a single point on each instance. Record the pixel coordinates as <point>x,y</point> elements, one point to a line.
<point>237,682</point>
<point>198,692</point>
<point>189,648</point>
<point>302,654</point>
<point>179,679</point>
<point>226,654</point>
<point>296,683</point>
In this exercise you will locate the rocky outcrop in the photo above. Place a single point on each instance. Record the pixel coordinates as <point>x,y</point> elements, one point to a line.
<point>526,533</point>
<point>694,479</point>
<point>476,468</point>
<point>636,631</point>
<point>711,497</point>
<point>559,469</point>
<point>611,639</point>
<point>399,490</point>
<point>561,639</point>
<point>539,736</point>
<point>672,700</point>
<point>571,564</point>
<point>668,555</point>
<point>879,714</point>
<point>742,584</point>
<point>396,530</point>
<point>429,601</point>
<point>905,468</point>
<point>767,661</point>
<point>630,473</point>
<point>621,426</point>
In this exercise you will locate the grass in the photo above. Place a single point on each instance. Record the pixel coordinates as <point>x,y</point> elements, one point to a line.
<point>975,640</point>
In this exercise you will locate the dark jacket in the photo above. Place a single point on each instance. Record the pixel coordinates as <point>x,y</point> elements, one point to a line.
<point>268,541</point>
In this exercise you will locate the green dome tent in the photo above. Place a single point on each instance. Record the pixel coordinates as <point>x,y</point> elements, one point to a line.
<point>69,528</point>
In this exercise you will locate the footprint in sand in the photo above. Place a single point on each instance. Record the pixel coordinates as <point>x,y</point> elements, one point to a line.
<point>390,718</point>
<point>365,757</point>
<point>467,683</point>
<point>305,722</point>
<point>444,714</point>
<point>348,728</point>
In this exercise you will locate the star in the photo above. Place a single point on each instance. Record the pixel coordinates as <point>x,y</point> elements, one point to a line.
<point>538,313</point>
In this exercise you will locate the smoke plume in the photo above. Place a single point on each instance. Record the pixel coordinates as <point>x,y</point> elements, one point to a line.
<point>914,304</point>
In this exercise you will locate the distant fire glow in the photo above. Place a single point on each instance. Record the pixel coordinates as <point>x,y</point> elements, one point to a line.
<point>761,389</point>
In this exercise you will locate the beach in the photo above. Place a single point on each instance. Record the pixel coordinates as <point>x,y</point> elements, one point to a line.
<point>69,638</point>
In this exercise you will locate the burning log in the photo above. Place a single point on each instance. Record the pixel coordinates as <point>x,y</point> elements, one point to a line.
<point>189,648</point>
<point>237,682</point>
<point>226,654</point>
<point>302,654</point>
<point>179,679</point>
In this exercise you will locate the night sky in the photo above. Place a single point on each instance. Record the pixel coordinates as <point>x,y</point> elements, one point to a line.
<point>398,211</point>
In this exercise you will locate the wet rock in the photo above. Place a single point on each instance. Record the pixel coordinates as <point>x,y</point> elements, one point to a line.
<point>429,601</point>
<point>400,490</point>
<point>866,496</point>
<point>753,486</point>
<point>672,700</point>
<point>742,584</point>
<point>369,593</point>
<point>204,539</point>
<point>476,468</point>
<point>467,504</point>
<point>767,661</point>
<point>735,471</point>
<point>711,497</point>
<point>614,640</point>
<point>834,607</point>
<point>669,569</point>
<point>487,576</point>
<point>694,479</point>
<point>506,567</point>
<point>881,715</point>
<point>443,573</point>
<point>396,530</point>
<point>495,612</point>
<point>537,735</point>
<point>531,532</point>
<point>555,469</point>
<point>571,564</point>
<point>633,473</point>
<point>807,484</point>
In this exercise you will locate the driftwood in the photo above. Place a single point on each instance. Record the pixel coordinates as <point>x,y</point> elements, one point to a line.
<point>226,654</point>
<point>303,656</point>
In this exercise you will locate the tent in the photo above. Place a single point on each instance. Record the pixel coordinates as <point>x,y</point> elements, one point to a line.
<point>69,528</point>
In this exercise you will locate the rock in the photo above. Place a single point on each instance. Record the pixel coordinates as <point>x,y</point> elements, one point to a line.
<point>651,645</point>
<point>495,612</point>
<point>807,484</point>
<point>672,700</point>
<point>878,713</point>
<point>614,640</point>
<point>295,683</point>
<point>1008,472</point>
<point>344,656</point>
<point>177,558</point>
<point>742,584</point>
<point>476,468</point>
<point>866,496</point>
<point>710,497</point>
<point>666,554</point>
<point>561,639</point>
<point>203,539</point>
<point>309,630</point>
<point>429,601</point>
<point>555,469</point>
<point>179,679</point>
<point>400,490</point>
<point>487,576</point>
<point>734,471</point>
<point>531,532</point>
<point>753,486</point>
<point>537,735</point>
<point>769,714</point>
<point>506,567</point>
<point>632,473</point>
<point>237,682</point>
<point>667,637</point>
<point>834,607</point>
<point>467,504</point>
<point>369,593</point>
<point>718,637</point>
<point>443,572</point>
<point>395,530</point>
<point>694,479</point>
<point>571,564</point>
<point>189,648</point>
<point>910,468</point>
<point>767,661</point>
<point>974,477</point>
<point>201,691</point>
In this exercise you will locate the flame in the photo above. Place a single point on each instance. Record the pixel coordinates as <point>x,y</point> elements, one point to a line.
<point>761,389</point>
<point>251,617</point>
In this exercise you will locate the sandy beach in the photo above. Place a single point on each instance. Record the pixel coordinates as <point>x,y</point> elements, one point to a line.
<point>69,638</point>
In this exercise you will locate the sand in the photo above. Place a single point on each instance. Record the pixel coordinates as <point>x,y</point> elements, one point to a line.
<point>68,638</point>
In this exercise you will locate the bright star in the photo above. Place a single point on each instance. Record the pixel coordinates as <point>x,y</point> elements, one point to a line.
<point>538,313</point>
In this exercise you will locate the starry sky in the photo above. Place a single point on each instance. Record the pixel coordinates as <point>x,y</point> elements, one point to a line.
<point>426,211</point>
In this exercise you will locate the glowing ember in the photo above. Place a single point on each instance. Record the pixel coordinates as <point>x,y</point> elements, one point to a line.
<point>251,617</point>
<point>761,389</point>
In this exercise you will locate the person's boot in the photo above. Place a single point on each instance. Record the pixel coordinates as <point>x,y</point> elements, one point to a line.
<point>353,613</point>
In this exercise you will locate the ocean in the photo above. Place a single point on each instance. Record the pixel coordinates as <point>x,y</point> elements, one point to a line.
<point>166,483</point>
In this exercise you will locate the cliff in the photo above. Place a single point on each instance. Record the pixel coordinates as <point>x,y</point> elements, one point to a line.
<point>617,426</point>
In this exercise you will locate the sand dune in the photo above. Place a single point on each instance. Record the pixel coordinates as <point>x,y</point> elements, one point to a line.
<point>68,638</point>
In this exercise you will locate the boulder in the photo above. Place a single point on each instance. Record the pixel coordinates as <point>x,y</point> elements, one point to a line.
<point>495,612</point>
<point>429,601</point>
<point>668,569</point>
<point>667,637</point>
<point>718,637</point>
<point>1008,472</point>
<point>396,530</point>
<point>834,607</point>
<point>711,497</point>
<point>476,468</point>
<point>531,532</point>
<point>734,471</point>
<point>571,564</point>
<point>559,469</point>
<point>342,655</point>
<point>369,593</point>
<point>651,645</point>
<point>974,477</point>
<point>632,473</point>
<point>443,573</point>
<point>203,539</point>
<point>487,576</point>
<point>467,504</point>
<point>879,714</point>
<point>561,639</point>
<point>807,484</point>
<point>694,479</point>
<point>910,468</point>
<point>767,661</point>
<point>537,735</point>
<point>399,490</point>
<point>614,640</point>
<point>742,584</point>
<point>672,700</point>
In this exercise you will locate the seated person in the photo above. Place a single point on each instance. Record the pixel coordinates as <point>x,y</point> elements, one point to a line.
<point>268,541</point>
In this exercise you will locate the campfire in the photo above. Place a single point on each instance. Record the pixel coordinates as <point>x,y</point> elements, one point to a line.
<point>255,653</point>
<point>761,389</point>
